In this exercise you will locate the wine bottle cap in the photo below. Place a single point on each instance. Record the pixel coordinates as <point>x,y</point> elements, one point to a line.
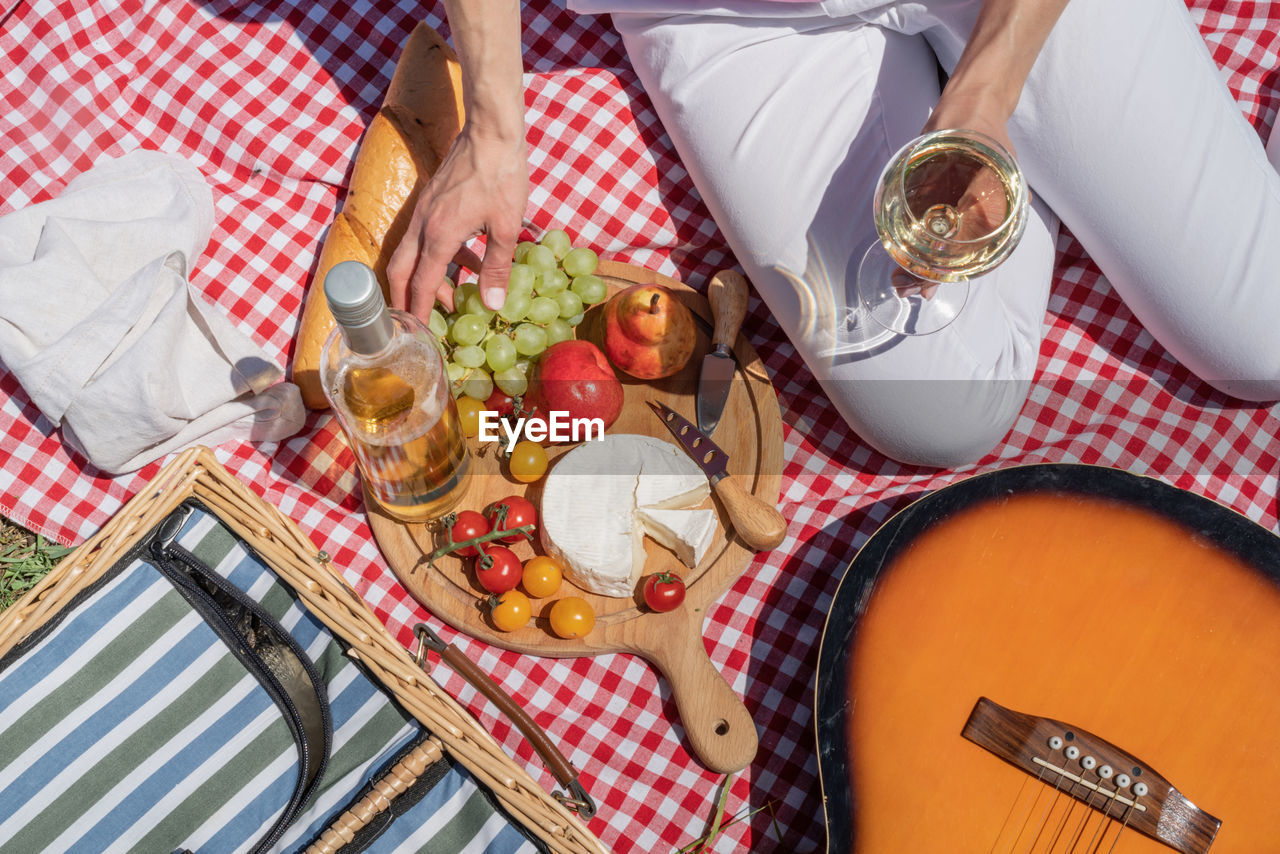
<point>357,305</point>
<point>354,295</point>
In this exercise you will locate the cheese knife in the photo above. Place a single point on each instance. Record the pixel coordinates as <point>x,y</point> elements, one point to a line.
<point>758,523</point>
<point>727,294</point>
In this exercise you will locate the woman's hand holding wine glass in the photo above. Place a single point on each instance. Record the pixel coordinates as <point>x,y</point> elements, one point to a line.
<point>982,110</point>
<point>950,205</point>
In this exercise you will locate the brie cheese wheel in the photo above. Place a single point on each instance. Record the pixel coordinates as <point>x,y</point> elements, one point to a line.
<point>601,498</point>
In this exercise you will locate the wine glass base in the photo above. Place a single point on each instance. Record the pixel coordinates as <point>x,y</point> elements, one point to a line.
<point>898,301</point>
<point>857,333</point>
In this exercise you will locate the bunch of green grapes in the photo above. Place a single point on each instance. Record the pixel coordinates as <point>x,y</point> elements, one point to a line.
<point>552,285</point>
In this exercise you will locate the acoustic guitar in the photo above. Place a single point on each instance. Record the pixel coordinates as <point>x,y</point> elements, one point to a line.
<point>1054,658</point>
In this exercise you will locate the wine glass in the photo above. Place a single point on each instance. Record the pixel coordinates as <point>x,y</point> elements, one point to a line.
<point>950,206</point>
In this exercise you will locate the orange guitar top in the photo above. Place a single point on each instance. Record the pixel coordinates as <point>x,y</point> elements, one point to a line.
<point>1085,609</point>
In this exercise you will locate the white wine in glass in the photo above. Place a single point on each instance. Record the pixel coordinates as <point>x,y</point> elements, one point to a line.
<point>950,206</point>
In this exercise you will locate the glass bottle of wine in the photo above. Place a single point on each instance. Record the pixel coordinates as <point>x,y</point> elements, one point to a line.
<point>384,376</point>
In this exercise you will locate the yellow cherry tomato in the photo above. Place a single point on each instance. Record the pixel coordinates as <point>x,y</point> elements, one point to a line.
<point>528,461</point>
<point>572,617</point>
<point>541,576</point>
<point>510,611</point>
<point>469,410</point>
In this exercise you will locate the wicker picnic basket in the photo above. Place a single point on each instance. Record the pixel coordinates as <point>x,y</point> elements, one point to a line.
<point>196,473</point>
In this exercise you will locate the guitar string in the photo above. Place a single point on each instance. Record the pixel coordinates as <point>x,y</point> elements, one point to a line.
<point>1099,836</point>
<point>1128,812</point>
<point>1044,819</point>
<point>1013,807</point>
<point>1096,841</point>
<point>1105,827</point>
<point>1088,815</point>
<point>1030,807</point>
<point>1071,807</point>
<point>1022,828</point>
<point>1062,823</point>
<point>1048,812</point>
<point>1108,820</point>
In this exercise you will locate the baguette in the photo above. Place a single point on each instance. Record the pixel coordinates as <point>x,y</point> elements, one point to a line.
<point>402,148</point>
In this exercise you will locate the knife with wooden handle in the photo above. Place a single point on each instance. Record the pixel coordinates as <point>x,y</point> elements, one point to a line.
<point>727,294</point>
<point>758,523</point>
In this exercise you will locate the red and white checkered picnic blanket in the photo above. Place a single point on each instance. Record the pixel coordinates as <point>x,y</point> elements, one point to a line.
<point>269,100</point>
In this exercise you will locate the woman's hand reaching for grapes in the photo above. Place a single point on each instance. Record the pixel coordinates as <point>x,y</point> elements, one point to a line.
<point>481,187</point>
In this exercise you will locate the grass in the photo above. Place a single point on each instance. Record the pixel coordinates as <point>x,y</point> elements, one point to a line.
<point>25,558</point>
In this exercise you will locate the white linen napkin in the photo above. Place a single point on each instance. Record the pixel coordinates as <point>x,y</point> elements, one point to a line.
<point>101,328</point>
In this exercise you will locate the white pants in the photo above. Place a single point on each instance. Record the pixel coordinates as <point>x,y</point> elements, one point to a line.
<point>784,115</point>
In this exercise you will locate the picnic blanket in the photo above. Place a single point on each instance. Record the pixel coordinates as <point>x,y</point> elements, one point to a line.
<point>269,101</point>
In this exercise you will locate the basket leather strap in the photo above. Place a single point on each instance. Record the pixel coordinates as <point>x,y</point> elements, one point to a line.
<point>566,775</point>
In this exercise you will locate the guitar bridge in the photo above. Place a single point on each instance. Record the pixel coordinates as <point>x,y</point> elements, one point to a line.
<point>1095,772</point>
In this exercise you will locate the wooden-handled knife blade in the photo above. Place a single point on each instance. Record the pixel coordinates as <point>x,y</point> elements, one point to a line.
<point>758,523</point>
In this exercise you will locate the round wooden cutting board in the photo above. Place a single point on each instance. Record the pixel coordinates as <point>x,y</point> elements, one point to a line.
<point>719,727</point>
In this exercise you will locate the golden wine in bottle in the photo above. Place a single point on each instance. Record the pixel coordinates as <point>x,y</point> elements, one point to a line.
<point>385,378</point>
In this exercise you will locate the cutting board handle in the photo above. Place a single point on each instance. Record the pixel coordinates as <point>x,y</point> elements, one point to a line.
<point>718,725</point>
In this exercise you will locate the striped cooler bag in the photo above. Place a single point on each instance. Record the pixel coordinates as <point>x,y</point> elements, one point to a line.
<point>187,699</point>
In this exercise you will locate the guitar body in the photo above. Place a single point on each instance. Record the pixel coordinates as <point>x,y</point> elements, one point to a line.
<point>1137,612</point>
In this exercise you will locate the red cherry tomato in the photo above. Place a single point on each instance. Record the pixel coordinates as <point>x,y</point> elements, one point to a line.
<point>519,512</point>
<point>498,569</point>
<point>468,526</point>
<point>663,591</point>
<point>500,402</point>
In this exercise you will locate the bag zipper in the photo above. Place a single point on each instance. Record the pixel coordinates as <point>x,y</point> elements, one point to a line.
<point>166,552</point>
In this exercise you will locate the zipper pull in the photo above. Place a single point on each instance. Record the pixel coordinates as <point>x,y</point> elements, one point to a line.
<point>167,531</point>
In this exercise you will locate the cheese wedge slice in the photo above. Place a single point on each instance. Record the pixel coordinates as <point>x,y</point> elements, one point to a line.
<point>688,533</point>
